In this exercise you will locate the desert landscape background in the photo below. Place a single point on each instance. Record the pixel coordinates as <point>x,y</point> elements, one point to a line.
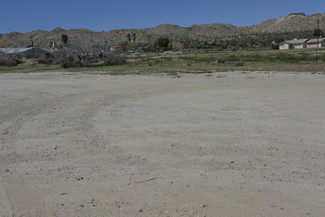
<point>236,129</point>
<point>297,23</point>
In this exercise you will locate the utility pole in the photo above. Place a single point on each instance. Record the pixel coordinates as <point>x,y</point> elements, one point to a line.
<point>150,37</point>
<point>317,28</point>
<point>150,48</point>
<point>31,38</point>
<point>187,40</point>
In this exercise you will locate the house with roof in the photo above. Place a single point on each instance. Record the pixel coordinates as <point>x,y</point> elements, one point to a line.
<point>312,43</point>
<point>302,43</point>
<point>293,44</point>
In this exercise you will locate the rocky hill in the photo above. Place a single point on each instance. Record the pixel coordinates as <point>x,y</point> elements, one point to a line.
<point>208,32</point>
<point>290,23</point>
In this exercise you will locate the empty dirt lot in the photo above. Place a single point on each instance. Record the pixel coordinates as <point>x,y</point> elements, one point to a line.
<point>224,144</point>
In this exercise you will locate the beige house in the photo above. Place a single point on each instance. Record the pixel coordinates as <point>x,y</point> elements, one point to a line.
<point>302,43</point>
<point>312,43</point>
<point>293,44</point>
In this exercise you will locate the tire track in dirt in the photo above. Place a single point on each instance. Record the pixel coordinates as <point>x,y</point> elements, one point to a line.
<point>5,203</point>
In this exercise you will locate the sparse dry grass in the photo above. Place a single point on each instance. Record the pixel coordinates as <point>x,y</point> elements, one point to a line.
<point>178,63</point>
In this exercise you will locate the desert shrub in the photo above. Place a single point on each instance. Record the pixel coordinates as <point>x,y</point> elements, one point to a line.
<point>10,63</point>
<point>66,57</point>
<point>63,55</point>
<point>221,60</point>
<point>70,62</point>
<point>10,60</point>
<point>240,64</point>
<point>46,58</point>
<point>67,64</point>
<point>18,61</point>
<point>74,57</point>
<point>3,59</point>
<point>322,57</point>
<point>113,59</point>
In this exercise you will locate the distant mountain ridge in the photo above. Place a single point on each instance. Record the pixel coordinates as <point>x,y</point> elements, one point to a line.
<point>207,32</point>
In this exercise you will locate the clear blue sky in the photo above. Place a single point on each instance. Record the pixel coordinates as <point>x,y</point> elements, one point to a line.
<point>104,15</point>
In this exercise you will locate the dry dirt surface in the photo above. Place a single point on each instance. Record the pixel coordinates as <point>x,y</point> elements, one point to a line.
<point>224,144</point>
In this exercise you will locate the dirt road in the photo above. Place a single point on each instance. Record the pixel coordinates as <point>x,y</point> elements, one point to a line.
<point>225,144</point>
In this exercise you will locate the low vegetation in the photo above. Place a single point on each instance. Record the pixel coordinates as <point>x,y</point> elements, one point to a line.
<point>162,42</point>
<point>175,63</point>
<point>10,60</point>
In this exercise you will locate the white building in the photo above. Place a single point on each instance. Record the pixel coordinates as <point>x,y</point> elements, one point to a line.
<point>293,44</point>
<point>312,43</point>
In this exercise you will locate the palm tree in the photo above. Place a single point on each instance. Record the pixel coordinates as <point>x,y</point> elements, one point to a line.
<point>133,37</point>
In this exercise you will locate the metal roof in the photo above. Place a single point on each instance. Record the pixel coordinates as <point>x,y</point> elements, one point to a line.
<point>314,40</point>
<point>296,41</point>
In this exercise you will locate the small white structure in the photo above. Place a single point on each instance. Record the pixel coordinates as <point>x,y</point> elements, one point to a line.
<point>14,50</point>
<point>293,44</point>
<point>312,43</point>
<point>26,52</point>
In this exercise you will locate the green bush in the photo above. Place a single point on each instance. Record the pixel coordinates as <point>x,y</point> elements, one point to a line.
<point>10,63</point>
<point>162,42</point>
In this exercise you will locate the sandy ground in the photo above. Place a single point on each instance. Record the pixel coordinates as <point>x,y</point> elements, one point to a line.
<point>226,144</point>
